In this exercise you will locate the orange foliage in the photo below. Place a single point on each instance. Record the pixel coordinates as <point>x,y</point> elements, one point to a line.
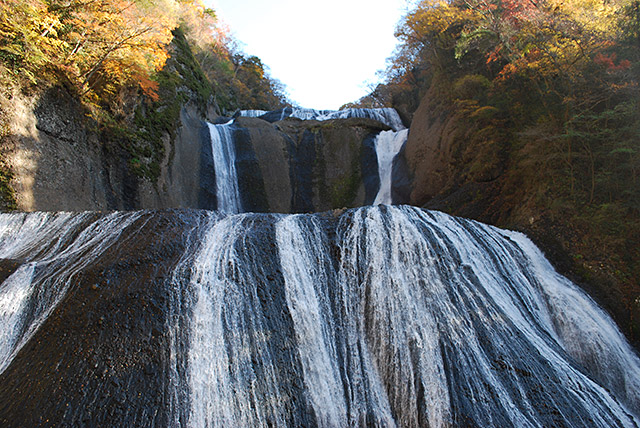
<point>609,62</point>
<point>116,41</point>
<point>149,87</point>
<point>100,45</point>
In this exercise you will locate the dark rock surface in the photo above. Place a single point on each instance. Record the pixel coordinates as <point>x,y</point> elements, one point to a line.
<point>370,176</point>
<point>306,166</point>
<point>207,198</point>
<point>102,357</point>
<point>401,178</point>
<point>250,176</point>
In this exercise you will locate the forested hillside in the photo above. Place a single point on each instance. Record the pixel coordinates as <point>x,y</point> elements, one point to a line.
<point>535,111</point>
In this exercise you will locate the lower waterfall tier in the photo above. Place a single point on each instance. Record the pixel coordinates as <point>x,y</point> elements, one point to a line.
<point>381,316</point>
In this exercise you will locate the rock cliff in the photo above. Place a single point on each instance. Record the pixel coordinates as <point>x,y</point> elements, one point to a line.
<point>61,162</point>
<point>306,166</point>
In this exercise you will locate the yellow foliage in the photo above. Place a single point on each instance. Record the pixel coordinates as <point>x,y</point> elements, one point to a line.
<point>118,40</point>
<point>201,25</point>
<point>593,18</point>
<point>28,33</point>
<point>100,45</point>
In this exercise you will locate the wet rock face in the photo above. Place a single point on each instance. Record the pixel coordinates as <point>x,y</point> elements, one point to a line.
<point>378,316</point>
<point>306,166</point>
<point>207,198</point>
<point>284,164</point>
<point>102,357</point>
<point>401,183</point>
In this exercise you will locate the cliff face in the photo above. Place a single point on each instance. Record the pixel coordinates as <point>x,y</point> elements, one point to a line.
<point>60,161</point>
<point>63,160</point>
<point>306,166</point>
<point>60,154</point>
<point>430,150</point>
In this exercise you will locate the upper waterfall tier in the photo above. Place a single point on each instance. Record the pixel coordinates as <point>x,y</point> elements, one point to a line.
<point>382,316</point>
<point>388,144</point>
<point>388,116</point>
<point>224,161</point>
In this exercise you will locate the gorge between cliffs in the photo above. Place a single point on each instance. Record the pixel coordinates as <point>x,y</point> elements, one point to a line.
<point>274,278</point>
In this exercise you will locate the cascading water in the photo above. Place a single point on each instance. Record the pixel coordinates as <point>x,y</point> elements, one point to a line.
<point>388,116</point>
<point>253,113</point>
<point>62,245</point>
<point>405,318</point>
<point>224,160</point>
<point>384,316</point>
<point>388,145</point>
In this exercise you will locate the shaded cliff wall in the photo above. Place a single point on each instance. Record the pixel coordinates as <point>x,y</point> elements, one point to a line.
<point>61,161</point>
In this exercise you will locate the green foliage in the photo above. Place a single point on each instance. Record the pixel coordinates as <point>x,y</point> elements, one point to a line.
<point>7,193</point>
<point>471,86</point>
<point>154,121</point>
<point>190,70</point>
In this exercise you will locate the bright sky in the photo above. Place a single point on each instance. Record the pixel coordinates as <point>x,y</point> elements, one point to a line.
<point>326,52</point>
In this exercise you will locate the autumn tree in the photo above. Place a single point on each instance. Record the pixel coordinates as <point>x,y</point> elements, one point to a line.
<point>98,45</point>
<point>110,43</point>
<point>28,37</point>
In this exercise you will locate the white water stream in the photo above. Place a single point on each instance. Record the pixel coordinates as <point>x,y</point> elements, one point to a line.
<point>420,319</point>
<point>224,159</point>
<point>388,145</point>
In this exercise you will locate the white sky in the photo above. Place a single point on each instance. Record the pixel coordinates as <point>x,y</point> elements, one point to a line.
<point>325,52</point>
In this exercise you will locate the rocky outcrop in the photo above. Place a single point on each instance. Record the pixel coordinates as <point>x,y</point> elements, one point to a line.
<point>306,166</point>
<point>61,161</point>
<point>54,155</point>
<point>430,150</point>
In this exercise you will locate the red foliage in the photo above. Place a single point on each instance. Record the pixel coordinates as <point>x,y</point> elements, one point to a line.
<point>517,11</point>
<point>494,55</point>
<point>609,62</point>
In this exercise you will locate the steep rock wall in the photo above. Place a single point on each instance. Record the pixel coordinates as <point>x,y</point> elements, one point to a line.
<point>462,165</point>
<point>430,150</point>
<point>61,162</point>
<point>306,166</point>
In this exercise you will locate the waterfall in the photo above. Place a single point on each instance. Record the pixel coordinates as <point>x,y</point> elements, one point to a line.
<point>306,281</point>
<point>396,316</point>
<point>388,116</point>
<point>224,158</point>
<point>252,113</point>
<point>384,316</point>
<point>388,145</point>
